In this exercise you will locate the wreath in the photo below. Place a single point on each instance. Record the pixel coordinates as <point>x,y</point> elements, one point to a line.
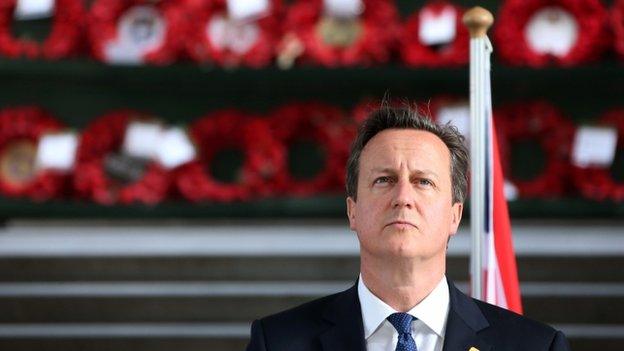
<point>64,39</point>
<point>416,53</point>
<point>213,37</point>
<point>100,141</point>
<point>230,129</point>
<point>545,124</point>
<point>136,31</point>
<point>327,127</point>
<point>597,183</point>
<point>333,42</point>
<point>591,36</point>
<point>20,131</point>
<point>617,23</point>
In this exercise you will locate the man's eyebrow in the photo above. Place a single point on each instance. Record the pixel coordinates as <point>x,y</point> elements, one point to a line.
<point>382,170</point>
<point>392,170</point>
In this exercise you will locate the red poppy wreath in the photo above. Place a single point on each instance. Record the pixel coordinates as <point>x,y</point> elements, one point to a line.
<point>64,39</point>
<point>216,37</point>
<point>325,126</point>
<point>597,183</point>
<point>544,123</point>
<point>106,175</point>
<point>20,131</point>
<point>230,129</point>
<point>540,32</point>
<point>136,31</point>
<point>435,36</point>
<point>333,41</point>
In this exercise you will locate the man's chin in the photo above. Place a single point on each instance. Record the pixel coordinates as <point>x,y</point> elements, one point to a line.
<point>403,247</point>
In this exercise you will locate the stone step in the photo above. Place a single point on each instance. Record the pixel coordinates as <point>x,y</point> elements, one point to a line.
<point>245,301</point>
<point>277,238</point>
<point>210,336</point>
<point>277,268</point>
<point>124,336</point>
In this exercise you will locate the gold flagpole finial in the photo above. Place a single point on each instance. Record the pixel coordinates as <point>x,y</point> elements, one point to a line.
<point>478,20</point>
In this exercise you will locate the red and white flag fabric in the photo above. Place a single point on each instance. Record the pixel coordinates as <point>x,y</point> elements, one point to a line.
<point>501,286</point>
<point>494,272</point>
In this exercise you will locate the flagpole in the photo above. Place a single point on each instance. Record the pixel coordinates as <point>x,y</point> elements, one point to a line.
<point>478,20</point>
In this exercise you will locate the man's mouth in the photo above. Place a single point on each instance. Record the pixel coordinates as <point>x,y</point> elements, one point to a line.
<point>401,224</point>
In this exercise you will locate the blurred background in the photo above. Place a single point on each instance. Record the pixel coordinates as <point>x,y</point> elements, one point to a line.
<point>171,170</point>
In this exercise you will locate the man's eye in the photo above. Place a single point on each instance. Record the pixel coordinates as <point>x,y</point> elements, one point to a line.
<point>424,181</point>
<point>382,180</point>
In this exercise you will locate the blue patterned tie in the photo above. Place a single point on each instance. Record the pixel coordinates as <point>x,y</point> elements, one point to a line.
<point>402,323</point>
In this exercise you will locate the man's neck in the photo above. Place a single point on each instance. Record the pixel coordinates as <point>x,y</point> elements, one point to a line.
<point>401,284</point>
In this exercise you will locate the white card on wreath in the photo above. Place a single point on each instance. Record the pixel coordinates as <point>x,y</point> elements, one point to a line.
<point>343,8</point>
<point>33,9</point>
<point>510,191</point>
<point>456,115</point>
<point>140,29</point>
<point>437,27</point>
<point>142,139</point>
<point>57,151</point>
<point>236,36</point>
<point>552,30</point>
<point>594,146</point>
<point>246,10</point>
<point>175,148</point>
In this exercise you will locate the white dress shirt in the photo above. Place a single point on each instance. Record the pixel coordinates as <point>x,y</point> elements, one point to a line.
<point>427,331</point>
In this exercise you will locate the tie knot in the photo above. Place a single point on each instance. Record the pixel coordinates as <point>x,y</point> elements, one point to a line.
<point>401,321</point>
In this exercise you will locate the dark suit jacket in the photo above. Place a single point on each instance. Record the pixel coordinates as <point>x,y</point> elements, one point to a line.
<point>335,323</point>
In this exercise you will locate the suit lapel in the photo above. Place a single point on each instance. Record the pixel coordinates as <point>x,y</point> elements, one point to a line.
<point>464,321</point>
<point>347,329</point>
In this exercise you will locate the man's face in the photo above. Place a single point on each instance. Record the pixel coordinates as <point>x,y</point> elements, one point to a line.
<point>404,203</point>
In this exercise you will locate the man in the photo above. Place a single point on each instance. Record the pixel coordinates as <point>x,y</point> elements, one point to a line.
<point>406,184</point>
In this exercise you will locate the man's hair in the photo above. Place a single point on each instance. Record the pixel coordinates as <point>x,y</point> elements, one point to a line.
<point>408,117</point>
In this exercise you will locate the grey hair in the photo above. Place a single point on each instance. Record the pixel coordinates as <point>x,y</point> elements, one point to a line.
<point>409,117</point>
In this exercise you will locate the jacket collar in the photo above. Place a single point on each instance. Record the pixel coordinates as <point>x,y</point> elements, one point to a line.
<point>346,331</point>
<point>464,321</point>
<point>345,316</point>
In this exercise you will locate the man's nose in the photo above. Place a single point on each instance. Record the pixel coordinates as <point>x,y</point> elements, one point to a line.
<point>404,194</point>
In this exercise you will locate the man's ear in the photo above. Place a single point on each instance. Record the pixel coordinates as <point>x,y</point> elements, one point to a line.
<point>351,212</point>
<point>456,216</point>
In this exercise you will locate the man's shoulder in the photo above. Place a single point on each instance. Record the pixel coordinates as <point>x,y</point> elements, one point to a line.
<point>308,313</point>
<point>306,326</point>
<point>513,325</point>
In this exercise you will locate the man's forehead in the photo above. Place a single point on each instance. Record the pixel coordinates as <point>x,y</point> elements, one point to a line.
<point>389,143</point>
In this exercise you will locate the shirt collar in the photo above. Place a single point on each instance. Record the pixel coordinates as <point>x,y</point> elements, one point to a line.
<point>432,310</point>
